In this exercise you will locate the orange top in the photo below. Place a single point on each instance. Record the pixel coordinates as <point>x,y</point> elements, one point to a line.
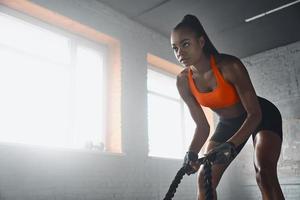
<point>224,95</point>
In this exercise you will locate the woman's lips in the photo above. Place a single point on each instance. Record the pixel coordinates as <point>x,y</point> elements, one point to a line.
<point>183,60</point>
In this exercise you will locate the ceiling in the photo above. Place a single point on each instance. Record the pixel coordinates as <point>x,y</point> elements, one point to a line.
<point>224,21</point>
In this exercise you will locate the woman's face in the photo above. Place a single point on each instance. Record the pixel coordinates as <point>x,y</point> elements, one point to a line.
<point>186,46</point>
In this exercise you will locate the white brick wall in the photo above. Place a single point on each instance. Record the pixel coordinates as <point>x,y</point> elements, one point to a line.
<point>275,75</point>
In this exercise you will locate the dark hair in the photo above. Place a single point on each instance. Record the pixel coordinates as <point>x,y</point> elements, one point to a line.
<point>191,22</point>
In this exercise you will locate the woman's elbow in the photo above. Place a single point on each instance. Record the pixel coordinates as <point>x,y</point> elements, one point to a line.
<point>203,128</point>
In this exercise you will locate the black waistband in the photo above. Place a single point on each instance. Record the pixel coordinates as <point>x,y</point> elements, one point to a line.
<point>237,119</point>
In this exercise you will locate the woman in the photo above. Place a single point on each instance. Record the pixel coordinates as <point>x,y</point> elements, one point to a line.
<point>221,82</point>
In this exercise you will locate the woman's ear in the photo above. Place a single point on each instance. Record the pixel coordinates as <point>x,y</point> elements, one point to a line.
<point>201,41</point>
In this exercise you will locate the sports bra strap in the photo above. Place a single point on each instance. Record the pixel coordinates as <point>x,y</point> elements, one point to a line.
<point>217,73</point>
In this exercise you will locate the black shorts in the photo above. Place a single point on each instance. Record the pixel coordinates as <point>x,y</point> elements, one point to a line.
<point>271,120</point>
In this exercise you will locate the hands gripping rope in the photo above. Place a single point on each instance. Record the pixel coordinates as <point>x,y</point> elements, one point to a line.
<point>222,154</point>
<point>186,170</point>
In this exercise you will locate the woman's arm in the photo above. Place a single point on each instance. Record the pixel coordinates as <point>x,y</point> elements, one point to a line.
<point>237,74</point>
<point>202,125</point>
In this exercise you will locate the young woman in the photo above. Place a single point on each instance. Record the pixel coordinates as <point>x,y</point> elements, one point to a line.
<point>221,82</point>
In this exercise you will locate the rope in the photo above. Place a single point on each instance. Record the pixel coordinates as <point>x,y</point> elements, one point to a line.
<point>174,184</point>
<point>207,180</point>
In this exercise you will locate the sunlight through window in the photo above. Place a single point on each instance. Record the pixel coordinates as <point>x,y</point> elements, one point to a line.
<point>50,96</point>
<point>32,39</point>
<point>170,126</point>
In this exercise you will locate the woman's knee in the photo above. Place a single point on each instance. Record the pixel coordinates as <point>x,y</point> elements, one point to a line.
<point>265,176</point>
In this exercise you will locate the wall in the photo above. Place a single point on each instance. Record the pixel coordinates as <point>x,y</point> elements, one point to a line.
<point>275,75</point>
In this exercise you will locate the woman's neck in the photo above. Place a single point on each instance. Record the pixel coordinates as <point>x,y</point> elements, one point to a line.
<point>203,65</point>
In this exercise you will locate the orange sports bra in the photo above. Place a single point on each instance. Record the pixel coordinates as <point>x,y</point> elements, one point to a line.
<point>224,95</point>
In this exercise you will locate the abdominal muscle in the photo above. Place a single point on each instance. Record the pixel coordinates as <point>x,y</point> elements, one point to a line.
<point>230,112</point>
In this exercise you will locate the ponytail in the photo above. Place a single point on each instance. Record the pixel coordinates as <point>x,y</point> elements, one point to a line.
<point>191,22</point>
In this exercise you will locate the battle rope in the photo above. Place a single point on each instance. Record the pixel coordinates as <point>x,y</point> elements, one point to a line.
<point>207,180</point>
<point>174,184</point>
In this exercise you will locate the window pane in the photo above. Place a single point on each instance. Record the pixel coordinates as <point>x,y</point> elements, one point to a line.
<point>89,96</point>
<point>44,102</point>
<point>34,100</point>
<point>32,39</point>
<point>162,84</point>
<point>164,127</point>
<point>189,127</point>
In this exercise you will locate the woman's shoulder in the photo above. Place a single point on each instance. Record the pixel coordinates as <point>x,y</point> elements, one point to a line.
<point>231,68</point>
<point>182,77</point>
<point>226,59</point>
<point>183,74</point>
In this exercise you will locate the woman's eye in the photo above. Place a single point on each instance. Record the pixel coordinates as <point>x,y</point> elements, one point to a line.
<point>186,44</point>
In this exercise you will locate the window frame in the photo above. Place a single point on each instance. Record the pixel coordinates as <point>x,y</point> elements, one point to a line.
<point>75,41</point>
<point>114,88</point>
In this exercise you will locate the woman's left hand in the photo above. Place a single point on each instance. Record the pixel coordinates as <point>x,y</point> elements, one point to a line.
<point>190,162</point>
<point>223,153</point>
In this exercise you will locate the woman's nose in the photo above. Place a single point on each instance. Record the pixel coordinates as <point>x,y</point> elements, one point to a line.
<point>179,52</point>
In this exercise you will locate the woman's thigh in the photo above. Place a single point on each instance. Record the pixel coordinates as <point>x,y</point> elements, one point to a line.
<point>267,147</point>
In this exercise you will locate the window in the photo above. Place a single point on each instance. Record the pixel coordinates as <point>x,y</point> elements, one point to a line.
<point>170,126</point>
<point>51,85</point>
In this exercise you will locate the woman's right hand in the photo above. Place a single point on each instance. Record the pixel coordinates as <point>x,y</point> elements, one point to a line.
<point>190,162</point>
